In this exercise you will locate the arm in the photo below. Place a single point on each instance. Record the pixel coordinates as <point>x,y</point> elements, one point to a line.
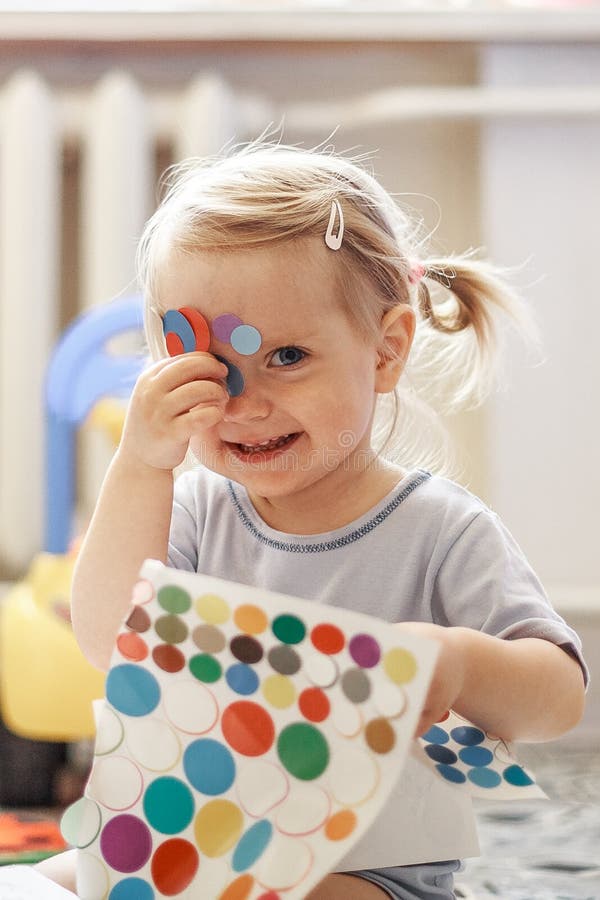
<point>172,400</point>
<point>526,689</point>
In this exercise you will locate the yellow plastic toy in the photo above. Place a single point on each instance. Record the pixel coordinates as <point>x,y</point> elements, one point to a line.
<point>46,684</point>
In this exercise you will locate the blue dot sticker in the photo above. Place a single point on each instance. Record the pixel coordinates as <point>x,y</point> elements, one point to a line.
<point>436,735</point>
<point>245,340</point>
<point>209,766</point>
<point>132,690</point>
<point>476,756</point>
<point>252,845</point>
<point>484,777</point>
<point>234,382</point>
<point>242,679</point>
<point>441,754</point>
<point>451,773</point>
<point>175,322</point>
<point>467,735</point>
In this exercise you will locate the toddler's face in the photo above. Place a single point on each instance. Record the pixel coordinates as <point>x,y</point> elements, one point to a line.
<point>309,389</point>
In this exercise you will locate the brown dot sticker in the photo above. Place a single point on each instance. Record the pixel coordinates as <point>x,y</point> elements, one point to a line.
<point>168,658</point>
<point>380,735</point>
<point>171,629</point>
<point>246,648</point>
<point>356,685</point>
<point>208,638</point>
<point>139,620</point>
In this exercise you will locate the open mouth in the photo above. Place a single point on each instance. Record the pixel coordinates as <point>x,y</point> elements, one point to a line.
<point>265,447</point>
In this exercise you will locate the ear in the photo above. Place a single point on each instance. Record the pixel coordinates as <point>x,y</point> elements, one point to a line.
<point>397,332</point>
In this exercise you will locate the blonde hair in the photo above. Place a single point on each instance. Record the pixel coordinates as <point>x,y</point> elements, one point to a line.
<point>265,193</point>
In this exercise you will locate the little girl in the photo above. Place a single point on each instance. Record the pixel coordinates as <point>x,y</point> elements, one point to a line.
<point>295,271</point>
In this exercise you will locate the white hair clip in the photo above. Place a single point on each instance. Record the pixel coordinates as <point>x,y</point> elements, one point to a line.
<point>334,241</point>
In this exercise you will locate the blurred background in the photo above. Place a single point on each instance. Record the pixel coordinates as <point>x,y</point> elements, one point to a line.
<point>484,117</point>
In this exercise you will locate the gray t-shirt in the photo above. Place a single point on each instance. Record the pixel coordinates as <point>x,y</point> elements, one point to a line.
<point>430,551</point>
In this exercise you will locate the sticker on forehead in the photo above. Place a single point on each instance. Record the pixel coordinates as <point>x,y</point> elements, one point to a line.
<point>223,325</point>
<point>185,330</point>
<point>246,339</point>
<point>234,380</point>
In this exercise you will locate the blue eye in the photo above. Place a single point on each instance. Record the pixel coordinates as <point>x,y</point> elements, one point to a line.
<point>287,356</point>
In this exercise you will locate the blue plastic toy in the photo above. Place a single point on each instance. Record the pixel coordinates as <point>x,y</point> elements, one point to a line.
<point>81,371</point>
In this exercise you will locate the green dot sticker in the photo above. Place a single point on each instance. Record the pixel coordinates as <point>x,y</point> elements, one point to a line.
<point>174,599</point>
<point>303,751</point>
<point>205,667</point>
<point>289,629</point>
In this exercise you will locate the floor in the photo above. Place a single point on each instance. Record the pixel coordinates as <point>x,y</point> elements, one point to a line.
<point>548,849</point>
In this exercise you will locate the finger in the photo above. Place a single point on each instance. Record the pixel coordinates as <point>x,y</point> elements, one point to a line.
<point>188,367</point>
<point>195,394</point>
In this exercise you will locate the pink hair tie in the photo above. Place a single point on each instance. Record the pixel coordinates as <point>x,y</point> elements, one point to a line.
<point>416,272</point>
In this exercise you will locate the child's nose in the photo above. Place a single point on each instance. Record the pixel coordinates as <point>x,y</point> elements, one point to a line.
<point>249,405</point>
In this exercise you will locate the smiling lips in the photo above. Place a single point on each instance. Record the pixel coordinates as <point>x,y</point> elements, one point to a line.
<point>264,446</point>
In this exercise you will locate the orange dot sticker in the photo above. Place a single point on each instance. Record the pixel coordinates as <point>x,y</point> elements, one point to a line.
<point>174,866</point>
<point>132,646</point>
<point>248,728</point>
<point>239,889</point>
<point>327,638</point>
<point>340,825</point>
<point>250,619</point>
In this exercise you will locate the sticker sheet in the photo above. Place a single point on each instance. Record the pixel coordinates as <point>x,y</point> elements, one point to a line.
<point>477,762</point>
<point>247,741</point>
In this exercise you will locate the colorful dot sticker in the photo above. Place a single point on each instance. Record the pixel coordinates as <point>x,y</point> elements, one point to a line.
<point>248,740</point>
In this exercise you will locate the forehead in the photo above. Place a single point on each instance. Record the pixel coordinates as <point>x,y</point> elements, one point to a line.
<point>286,283</point>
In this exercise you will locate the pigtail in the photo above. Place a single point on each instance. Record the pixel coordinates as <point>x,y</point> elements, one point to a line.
<point>465,307</point>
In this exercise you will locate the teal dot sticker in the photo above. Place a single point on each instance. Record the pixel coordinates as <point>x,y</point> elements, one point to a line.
<point>168,805</point>
<point>517,776</point>
<point>209,766</point>
<point>303,751</point>
<point>252,845</point>
<point>174,599</point>
<point>132,690</point>
<point>132,889</point>
<point>289,629</point>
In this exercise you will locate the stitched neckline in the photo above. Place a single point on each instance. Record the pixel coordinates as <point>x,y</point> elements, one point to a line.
<point>334,543</point>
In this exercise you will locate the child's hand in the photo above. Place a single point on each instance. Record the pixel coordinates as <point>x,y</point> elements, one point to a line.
<point>173,399</point>
<point>449,673</point>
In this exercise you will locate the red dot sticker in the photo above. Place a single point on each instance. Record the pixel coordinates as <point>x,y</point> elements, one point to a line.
<point>174,344</point>
<point>174,866</point>
<point>327,638</point>
<point>314,704</point>
<point>248,728</point>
